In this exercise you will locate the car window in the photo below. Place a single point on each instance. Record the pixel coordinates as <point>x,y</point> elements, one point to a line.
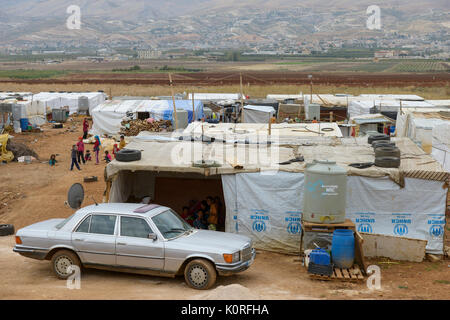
<point>63,223</point>
<point>84,226</point>
<point>170,224</point>
<point>103,224</point>
<point>134,227</point>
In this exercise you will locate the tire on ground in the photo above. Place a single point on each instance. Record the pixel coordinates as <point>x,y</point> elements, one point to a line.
<point>90,179</point>
<point>382,143</point>
<point>6,229</point>
<point>200,274</point>
<point>61,260</point>
<point>376,137</point>
<point>387,152</point>
<point>128,155</point>
<point>387,162</point>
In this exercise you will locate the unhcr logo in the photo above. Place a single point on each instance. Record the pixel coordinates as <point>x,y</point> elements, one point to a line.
<point>293,228</point>
<point>259,226</point>
<point>436,231</point>
<point>400,229</point>
<point>365,227</point>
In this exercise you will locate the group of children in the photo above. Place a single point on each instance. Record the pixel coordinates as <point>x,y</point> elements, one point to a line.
<point>203,214</point>
<point>77,152</point>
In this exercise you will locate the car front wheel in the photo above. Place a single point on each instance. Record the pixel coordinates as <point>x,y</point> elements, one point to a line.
<point>61,261</point>
<point>200,274</point>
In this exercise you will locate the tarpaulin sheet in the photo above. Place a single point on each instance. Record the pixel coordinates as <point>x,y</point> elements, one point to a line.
<point>258,114</point>
<point>107,117</point>
<point>268,208</point>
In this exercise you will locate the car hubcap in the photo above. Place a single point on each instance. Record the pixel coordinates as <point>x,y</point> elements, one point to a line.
<point>61,264</point>
<point>198,276</point>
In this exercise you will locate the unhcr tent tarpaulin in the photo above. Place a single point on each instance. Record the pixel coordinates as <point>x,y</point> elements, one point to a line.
<point>268,208</point>
<point>258,114</point>
<point>108,116</point>
<point>357,108</point>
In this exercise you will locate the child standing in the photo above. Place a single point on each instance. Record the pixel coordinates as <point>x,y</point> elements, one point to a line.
<point>80,147</point>
<point>74,158</point>
<point>122,142</point>
<point>97,145</point>
<point>115,150</point>
<point>85,128</point>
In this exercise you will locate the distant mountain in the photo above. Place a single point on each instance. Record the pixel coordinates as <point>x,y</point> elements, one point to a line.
<point>211,22</point>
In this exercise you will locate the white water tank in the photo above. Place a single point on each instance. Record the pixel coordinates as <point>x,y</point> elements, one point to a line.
<point>325,190</point>
<point>312,111</point>
<point>83,104</point>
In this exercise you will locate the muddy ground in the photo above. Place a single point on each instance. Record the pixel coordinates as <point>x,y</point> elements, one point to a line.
<point>34,192</point>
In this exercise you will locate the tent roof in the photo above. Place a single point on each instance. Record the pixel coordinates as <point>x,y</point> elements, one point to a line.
<point>267,109</point>
<point>179,156</point>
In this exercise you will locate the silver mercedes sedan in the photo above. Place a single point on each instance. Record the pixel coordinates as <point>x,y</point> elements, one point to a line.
<point>136,238</point>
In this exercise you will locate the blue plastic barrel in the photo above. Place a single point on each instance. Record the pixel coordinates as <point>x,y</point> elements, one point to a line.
<point>343,248</point>
<point>24,124</point>
<point>392,129</point>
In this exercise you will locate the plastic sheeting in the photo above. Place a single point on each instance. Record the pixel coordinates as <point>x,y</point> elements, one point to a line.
<point>357,108</point>
<point>108,116</point>
<point>407,125</point>
<point>268,208</point>
<point>258,114</point>
<point>44,102</point>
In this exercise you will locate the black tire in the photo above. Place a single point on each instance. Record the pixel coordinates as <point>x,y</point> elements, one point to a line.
<point>6,229</point>
<point>128,155</point>
<point>90,179</point>
<point>382,143</point>
<point>61,260</point>
<point>376,137</point>
<point>200,274</point>
<point>387,162</point>
<point>387,152</point>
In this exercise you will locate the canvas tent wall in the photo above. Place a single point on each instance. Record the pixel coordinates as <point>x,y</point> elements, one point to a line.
<point>258,114</point>
<point>408,125</point>
<point>108,116</point>
<point>57,100</point>
<point>362,107</point>
<point>264,200</point>
<point>344,99</point>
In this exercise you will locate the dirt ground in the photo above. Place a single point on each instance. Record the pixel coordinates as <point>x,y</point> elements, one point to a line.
<point>34,192</point>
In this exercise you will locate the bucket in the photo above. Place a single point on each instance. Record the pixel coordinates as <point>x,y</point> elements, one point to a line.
<point>24,124</point>
<point>343,248</point>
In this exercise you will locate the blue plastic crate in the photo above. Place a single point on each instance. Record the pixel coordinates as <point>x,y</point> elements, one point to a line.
<point>320,257</point>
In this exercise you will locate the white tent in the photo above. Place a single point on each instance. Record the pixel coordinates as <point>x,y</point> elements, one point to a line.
<point>214,96</point>
<point>258,114</point>
<point>361,107</point>
<point>57,100</point>
<point>410,123</point>
<point>108,116</point>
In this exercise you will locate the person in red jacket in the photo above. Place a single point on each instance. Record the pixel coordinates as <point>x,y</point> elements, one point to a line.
<point>80,152</point>
<point>85,128</point>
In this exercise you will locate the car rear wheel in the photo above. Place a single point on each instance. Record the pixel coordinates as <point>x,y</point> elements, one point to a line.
<point>200,274</point>
<point>61,261</point>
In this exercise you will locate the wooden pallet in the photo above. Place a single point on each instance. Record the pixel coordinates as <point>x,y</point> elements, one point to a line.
<point>327,227</point>
<point>352,274</point>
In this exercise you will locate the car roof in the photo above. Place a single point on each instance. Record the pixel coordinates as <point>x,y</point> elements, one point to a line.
<point>123,208</point>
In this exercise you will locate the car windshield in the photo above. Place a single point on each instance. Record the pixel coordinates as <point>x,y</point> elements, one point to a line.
<point>63,223</point>
<point>170,224</point>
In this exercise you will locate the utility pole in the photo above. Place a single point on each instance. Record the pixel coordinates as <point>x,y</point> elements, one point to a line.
<point>193,107</point>
<point>174,106</point>
<point>242,100</point>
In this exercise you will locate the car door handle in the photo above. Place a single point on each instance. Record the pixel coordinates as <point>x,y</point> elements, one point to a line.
<point>121,243</point>
<point>79,239</point>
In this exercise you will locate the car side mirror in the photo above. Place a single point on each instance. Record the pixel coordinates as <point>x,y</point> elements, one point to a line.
<point>152,236</point>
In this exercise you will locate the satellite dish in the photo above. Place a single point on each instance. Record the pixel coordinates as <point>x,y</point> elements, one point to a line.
<point>75,196</point>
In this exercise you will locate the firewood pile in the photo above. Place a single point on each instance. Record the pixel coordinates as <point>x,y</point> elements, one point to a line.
<point>134,127</point>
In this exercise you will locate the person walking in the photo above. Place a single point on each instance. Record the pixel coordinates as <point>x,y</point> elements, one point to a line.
<point>85,128</point>
<point>97,145</point>
<point>74,158</point>
<point>80,148</point>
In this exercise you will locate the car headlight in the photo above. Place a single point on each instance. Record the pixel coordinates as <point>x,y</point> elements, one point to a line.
<point>232,258</point>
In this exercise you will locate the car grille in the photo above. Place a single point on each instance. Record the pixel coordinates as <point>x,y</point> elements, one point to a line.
<point>246,253</point>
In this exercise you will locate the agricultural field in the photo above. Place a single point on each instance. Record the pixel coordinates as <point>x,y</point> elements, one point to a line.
<point>421,66</point>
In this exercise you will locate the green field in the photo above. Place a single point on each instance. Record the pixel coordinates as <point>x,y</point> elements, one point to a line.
<point>32,74</point>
